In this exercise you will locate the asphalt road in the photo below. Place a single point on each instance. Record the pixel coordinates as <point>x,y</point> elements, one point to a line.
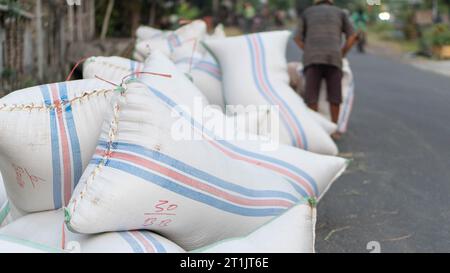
<point>397,191</point>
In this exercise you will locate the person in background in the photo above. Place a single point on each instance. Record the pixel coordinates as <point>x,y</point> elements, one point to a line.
<point>360,20</point>
<point>320,37</point>
<point>249,16</point>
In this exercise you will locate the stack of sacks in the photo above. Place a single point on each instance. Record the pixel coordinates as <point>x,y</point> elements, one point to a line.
<point>168,182</point>
<point>48,135</point>
<point>289,233</point>
<point>140,178</point>
<point>284,160</point>
<point>10,244</point>
<point>47,228</point>
<point>348,89</point>
<point>189,56</point>
<point>259,77</point>
<point>109,68</point>
<point>142,189</point>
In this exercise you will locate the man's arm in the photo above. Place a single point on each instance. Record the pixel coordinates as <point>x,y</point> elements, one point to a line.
<point>300,33</point>
<point>352,36</point>
<point>349,44</point>
<point>299,42</point>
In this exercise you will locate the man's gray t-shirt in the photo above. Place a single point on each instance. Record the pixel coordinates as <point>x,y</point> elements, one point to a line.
<point>321,28</point>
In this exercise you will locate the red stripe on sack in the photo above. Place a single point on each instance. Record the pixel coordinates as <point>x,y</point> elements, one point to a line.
<point>266,88</point>
<point>64,146</point>
<point>148,247</point>
<point>305,185</point>
<point>196,183</point>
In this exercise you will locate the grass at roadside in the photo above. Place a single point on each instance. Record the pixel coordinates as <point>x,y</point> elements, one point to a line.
<point>384,37</point>
<point>233,31</point>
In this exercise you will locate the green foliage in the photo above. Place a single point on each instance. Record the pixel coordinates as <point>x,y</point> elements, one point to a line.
<point>440,35</point>
<point>187,11</point>
<point>8,73</point>
<point>13,7</point>
<point>282,4</point>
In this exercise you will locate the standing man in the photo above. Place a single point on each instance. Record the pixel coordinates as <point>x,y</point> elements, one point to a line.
<point>360,19</point>
<point>249,15</point>
<point>320,37</point>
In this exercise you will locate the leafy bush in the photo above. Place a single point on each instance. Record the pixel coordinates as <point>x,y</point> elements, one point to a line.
<point>440,35</point>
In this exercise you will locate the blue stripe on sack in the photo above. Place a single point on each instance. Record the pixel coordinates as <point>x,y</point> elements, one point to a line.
<point>261,90</point>
<point>157,35</point>
<point>159,247</point>
<point>77,165</point>
<point>4,211</point>
<point>208,178</point>
<point>174,41</point>
<point>194,123</point>
<point>208,72</point>
<point>56,160</point>
<point>135,246</point>
<point>266,76</point>
<point>132,68</point>
<point>190,193</point>
<point>177,39</point>
<point>274,161</point>
<point>170,45</point>
<point>187,60</point>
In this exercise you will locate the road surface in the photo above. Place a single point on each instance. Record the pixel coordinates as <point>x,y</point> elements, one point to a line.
<point>397,191</point>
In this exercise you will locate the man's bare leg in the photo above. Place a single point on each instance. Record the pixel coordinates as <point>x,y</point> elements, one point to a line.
<point>335,111</point>
<point>314,106</point>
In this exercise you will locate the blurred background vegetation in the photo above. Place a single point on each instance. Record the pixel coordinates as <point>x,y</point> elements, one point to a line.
<point>42,45</point>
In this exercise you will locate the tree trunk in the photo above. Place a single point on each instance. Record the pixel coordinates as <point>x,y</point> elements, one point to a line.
<point>108,13</point>
<point>40,40</point>
<point>80,24</point>
<point>135,8</point>
<point>92,19</point>
<point>152,14</point>
<point>70,23</point>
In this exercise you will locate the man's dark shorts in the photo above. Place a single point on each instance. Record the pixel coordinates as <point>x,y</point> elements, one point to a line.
<point>314,75</point>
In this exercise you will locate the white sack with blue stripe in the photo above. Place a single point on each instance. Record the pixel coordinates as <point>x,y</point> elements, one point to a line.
<point>10,245</point>
<point>194,31</point>
<point>206,73</point>
<point>259,76</point>
<point>4,204</point>
<point>310,174</point>
<point>189,191</point>
<point>48,134</point>
<point>186,56</point>
<point>47,228</point>
<point>113,69</point>
<point>207,76</point>
<point>180,88</point>
<point>292,232</point>
<point>146,33</point>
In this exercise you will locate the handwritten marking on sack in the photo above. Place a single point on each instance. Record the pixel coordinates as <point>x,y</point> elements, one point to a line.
<point>23,176</point>
<point>161,216</point>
